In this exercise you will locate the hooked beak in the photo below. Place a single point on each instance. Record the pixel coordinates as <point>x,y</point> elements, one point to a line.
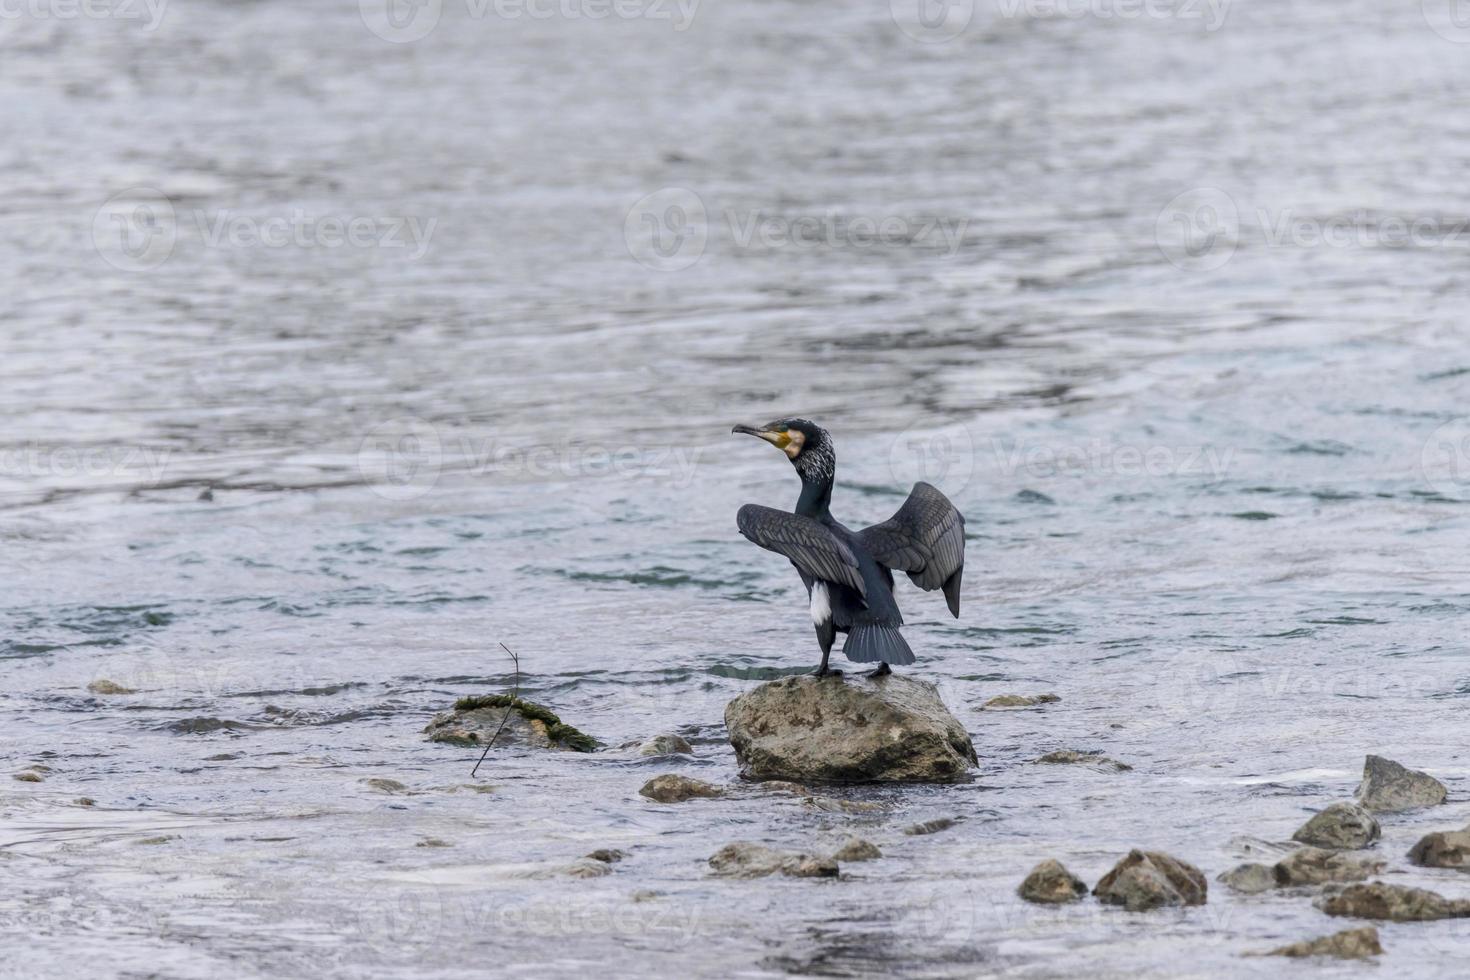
<point>778,439</point>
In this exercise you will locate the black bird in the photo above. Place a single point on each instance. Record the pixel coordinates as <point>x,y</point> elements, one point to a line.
<point>849,575</point>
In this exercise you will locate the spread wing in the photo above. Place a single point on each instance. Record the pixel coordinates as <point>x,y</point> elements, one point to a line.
<point>811,547</point>
<point>926,538</point>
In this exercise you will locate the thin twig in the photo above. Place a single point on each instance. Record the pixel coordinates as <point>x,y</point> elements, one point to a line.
<point>514,694</point>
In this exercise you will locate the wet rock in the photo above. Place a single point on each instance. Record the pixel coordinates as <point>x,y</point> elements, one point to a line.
<point>154,841</point>
<point>607,855</point>
<point>831,804</point>
<point>104,686</point>
<point>670,788</point>
<point>1396,903</point>
<point>1318,866</point>
<point>1442,849</point>
<point>665,745</point>
<point>1151,879</point>
<point>475,721</point>
<point>1018,701</point>
<point>1249,879</point>
<point>929,827</point>
<point>1049,883</point>
<point>838,729</point>
<point>1345,826</point>
<point>746,860</point>
<point>587,868</point>
<point>1094,760</point>
<point>84,801</point>
<point>782,786</point>
<point>1388,787</point>
<point>1350,944</point>
<point>386,785</point>
<point>433,842</point>
<point>857,849</point>
<point>30,777</point>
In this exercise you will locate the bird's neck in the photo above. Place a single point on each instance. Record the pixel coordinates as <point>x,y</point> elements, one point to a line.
<point>816,497</point>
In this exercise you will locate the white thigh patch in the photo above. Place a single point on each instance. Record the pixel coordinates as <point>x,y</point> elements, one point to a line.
<point>821,603</point>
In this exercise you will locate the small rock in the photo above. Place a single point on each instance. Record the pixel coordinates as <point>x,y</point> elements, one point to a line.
<point>103,686</point>
<point>1443,849</point>
<point>1094,759</point>
<point>1396,903</point>
<point>857,849</point>
<point>84,801</point>
<point>386,785</point>
<point>506,721</point>
<point>1350,944</point>
<point>433,842</point>
<point>1150,879</point>
<point>1388,787</point>
<point>848,730</point>
<point>646,895</point>
<point>607,855</point>
<point>929,827</point>
<point>833,805</point>
<point>747,860</point>
<point>1049,883</point>
<point>665,745</point>
<point>1345,826</point>
<point>1249,879</point>
<point>1318,866</point>
<point>1018,701</point>
<point>30,777</point>
<point>588,868</point>
<point>161,839</point>
<point>671,788</point>
<point>782,786</point>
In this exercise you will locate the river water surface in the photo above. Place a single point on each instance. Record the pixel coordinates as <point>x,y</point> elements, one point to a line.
<point>1172,305</point>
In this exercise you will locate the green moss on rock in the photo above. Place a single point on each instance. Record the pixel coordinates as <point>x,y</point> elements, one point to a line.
<point>556,729</point>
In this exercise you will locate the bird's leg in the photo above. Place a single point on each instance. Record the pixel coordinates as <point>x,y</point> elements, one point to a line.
<point>883,671</point>
<point>823,670</point>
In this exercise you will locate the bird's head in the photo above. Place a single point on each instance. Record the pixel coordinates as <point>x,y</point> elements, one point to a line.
<point>804,442</point>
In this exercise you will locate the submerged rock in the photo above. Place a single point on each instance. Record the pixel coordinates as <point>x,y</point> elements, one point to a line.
<point>832,729</point>
<point>1350,944</point>
<point>475,721</point>
<point>746,860</point>
<point>104,686</point>
<point>831,804</point>
<point>1151,879</point>
<point>30,777</point>
<point>1345,826</point>
<point>1049,883</point>
<point>1095,760</point>
<point>587,868</point>
<point>1396,903</point>
<point>857,849</point>
<point>1018,701</point>
<point>607,855</point>
<point>929,827</point>
<point>1318,866</point>
<point>1388,787</point>
<point>665,745</point>
<point>1442,849</point>
<point>1249,879</point>
<point>671,788</point>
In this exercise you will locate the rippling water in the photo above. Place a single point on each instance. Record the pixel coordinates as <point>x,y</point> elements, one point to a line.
<point>1171,306</point>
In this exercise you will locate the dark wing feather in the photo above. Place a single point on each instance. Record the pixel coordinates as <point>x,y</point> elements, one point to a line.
<point>811,546</point>
<point>926,538</point>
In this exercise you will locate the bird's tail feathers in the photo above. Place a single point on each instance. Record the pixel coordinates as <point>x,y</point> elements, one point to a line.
<point>875,643</point>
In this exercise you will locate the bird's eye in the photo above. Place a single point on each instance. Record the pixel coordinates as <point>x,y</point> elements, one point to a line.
<point>780,428</point>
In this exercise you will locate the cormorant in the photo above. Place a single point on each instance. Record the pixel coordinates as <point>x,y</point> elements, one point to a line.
<point>849,574</point>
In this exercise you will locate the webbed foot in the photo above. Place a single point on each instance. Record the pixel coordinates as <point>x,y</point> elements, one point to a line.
<point>826,672</point>
<point>883,671</point>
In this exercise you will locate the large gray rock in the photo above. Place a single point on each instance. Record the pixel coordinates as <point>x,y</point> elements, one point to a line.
<point>1150,879</point>
<point>1350,944</point>
<point>1396,903</point>
<point>1446,849</point>
<point>1344,826</point>
<point>1049,883</point>
<point>838,729</point>
<point>1319,866</point>
<point>1388,787</point>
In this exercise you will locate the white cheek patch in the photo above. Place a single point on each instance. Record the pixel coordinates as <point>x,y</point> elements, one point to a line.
<point>821,604</point>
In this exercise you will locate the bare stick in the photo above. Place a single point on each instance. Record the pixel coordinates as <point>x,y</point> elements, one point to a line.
<point>514,694</point>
